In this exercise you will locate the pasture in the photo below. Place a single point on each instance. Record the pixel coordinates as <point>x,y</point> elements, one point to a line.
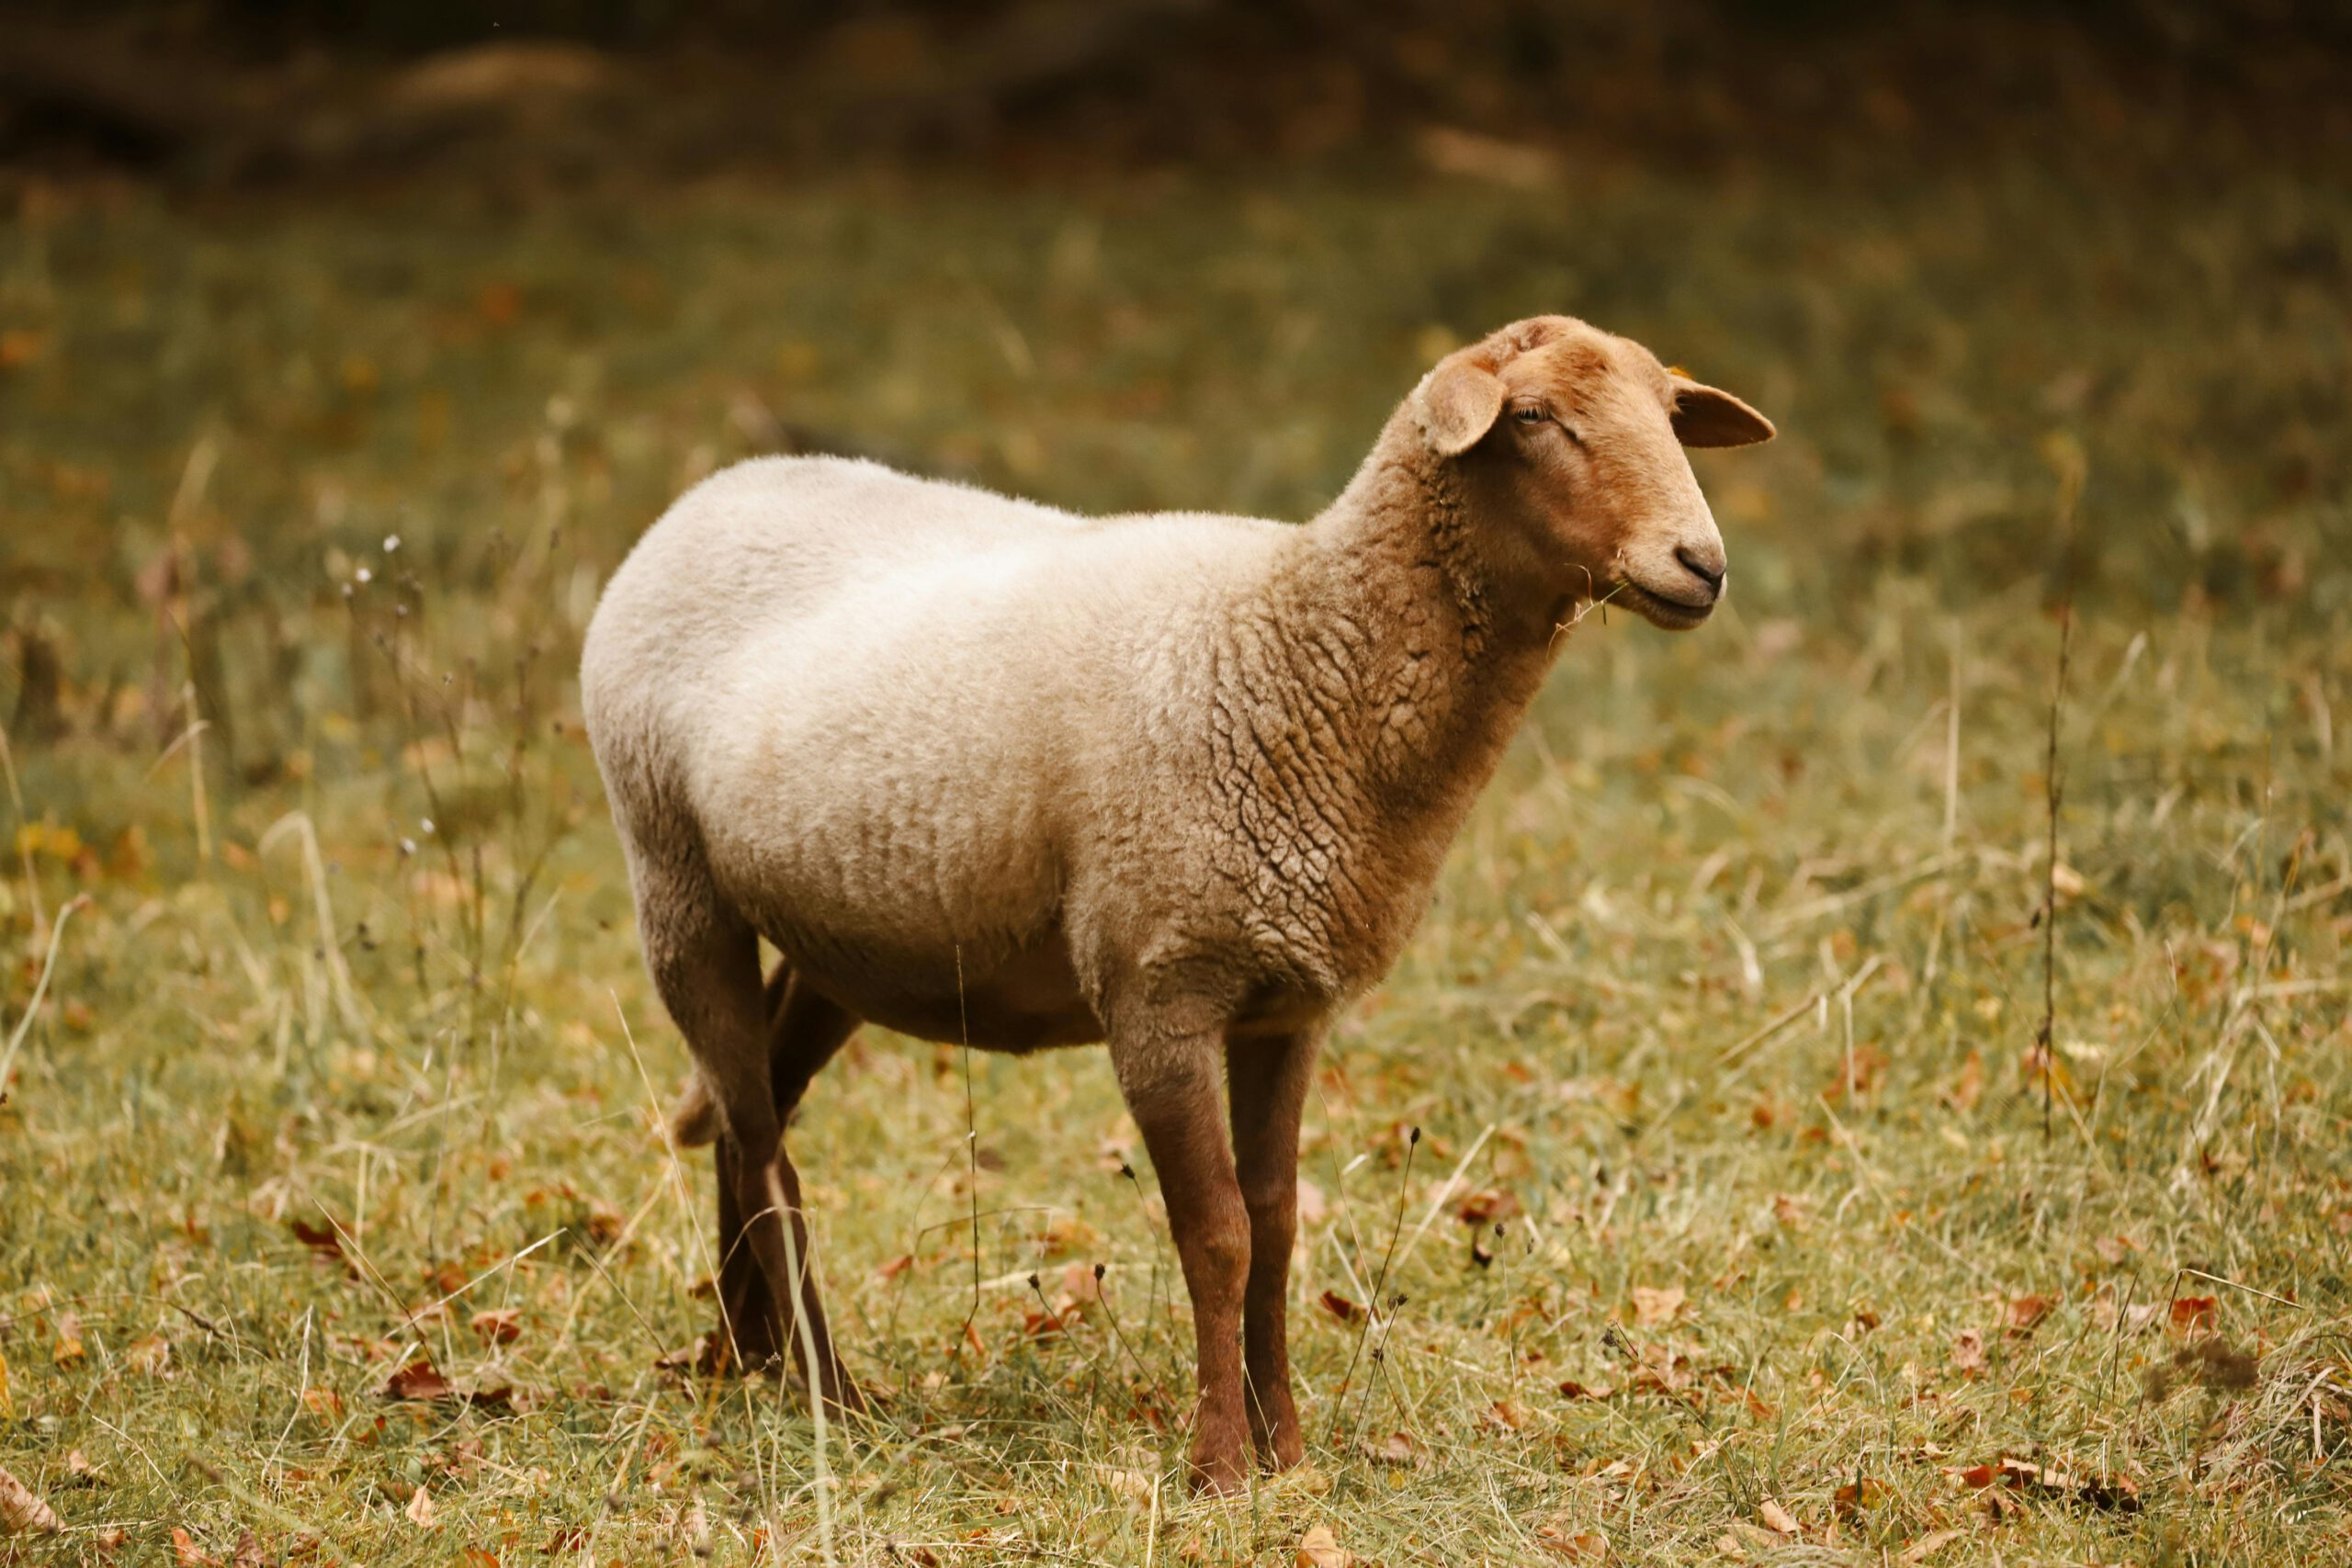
<point>1740,1167</point>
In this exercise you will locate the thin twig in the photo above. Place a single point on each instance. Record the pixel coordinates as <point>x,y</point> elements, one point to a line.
<point>2051,793</point>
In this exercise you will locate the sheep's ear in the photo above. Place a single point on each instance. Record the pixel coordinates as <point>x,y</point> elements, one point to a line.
<point>1704,416</point>
<point>1459,402</point>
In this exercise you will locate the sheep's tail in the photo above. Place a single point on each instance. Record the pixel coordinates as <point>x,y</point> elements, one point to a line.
<point>693,1121</point>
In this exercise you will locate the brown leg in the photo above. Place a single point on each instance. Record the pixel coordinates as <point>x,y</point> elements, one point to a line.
<point>805,1031</point>
<point>1170,1078</point>
<point>705,961</point>
<point>1267,1081</point>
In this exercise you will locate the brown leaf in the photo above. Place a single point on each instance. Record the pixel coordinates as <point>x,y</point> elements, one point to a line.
<point>2195,1311</point>
<point>1927,1546</point>
<point>1318,1547</point>
<point>1485,1208</point>
<point>1968,1086</point>
<point>148,1355</point>
<point>896,1267</point>
<point>1507,1414</point>
<point>22,1513</point>
<point>322,1403</point>
<point>418,1381</point>
<point>2023,1313</point>
<point>1968,1352</point>
<point>325,1244</point>
<point>1653,1307</point>
<point>1777,1519</point>
<point>420,1509</point>
<point>1397,1447</point>
<point>1850,1499</point>
<point>499,1326</point>
<point>250,1552</point>
<point>1574,1390</point>
<point>186,1553</point>
<point>1578,1546</point>
<point>1339,1306</point>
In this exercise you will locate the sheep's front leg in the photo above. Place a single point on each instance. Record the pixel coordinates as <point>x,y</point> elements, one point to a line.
<point>1170,1083</point>
<point>1267,1079</point>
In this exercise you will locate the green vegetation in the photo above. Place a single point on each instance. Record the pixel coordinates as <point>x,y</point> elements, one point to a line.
<point>1726,1014</point>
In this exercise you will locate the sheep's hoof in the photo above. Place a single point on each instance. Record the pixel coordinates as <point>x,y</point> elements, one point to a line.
<point>1282,1450</point>
<point>1218,1475</point>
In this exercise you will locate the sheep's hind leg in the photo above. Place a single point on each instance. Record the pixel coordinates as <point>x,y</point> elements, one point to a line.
<point>807,1031</point>
<point>704,962</point>
<point>1266,1081</point>
<point>1169,1076</point>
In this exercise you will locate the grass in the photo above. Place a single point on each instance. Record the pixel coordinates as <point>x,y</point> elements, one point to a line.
<point>1722,1032</point>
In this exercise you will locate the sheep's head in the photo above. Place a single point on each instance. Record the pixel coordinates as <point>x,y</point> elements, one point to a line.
<point>1569,442</point>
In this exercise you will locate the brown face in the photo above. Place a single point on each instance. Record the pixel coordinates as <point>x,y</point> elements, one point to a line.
<point>1572,441</point>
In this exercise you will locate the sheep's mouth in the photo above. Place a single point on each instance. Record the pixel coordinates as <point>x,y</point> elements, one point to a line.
<point>1674,615</point>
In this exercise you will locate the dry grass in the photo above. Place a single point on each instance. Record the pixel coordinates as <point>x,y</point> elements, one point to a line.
<point>1725,1015</point>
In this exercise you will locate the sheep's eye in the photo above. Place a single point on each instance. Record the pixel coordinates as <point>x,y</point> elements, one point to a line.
<point>1527,415</point>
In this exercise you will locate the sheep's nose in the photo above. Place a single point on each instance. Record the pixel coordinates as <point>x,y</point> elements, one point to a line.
<point>1707,568</point>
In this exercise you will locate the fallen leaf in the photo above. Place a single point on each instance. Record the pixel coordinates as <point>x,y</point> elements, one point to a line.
<point>1850,1499</point>
<point>1927,1546</point>
<point>148,1356</point>
<point>420,1509</point>
<point>1395,1448</point>
<point>418,1380</point>
<point>1579,1546</point>
<point>1511,1416</point>
<point>322,1403</point>
<point>1339,1306</point>
<point>1968,1352</point>
<point>2023,1313</point>
<point>8,1402</point>
<point>896,1267</point>
<point>2116,1493</point>
<point>2195,1311</point>
<point>1574,1390</point>
<point>250,1552</point>
<point>2114,1248</point>
<point>325,1245</point>
<point>186,1554</point>
<point>1318,1547</point>
<point>499,1326</point>
<point>22,1513</point>
<point>1653,1307</point>
<point>1777,1519</point>
<point>1486,1207</point>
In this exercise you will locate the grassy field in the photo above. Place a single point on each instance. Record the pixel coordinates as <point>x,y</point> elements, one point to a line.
<point>1747,1221</point>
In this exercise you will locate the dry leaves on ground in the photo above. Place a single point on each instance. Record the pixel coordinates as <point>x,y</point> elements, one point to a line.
<point>1318,1547</point>
<point>1653,1307</point>
<point>21,1512</point>
<point>2054,1481</point>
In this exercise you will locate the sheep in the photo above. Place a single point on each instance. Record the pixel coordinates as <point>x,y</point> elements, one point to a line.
<point>994,774</point>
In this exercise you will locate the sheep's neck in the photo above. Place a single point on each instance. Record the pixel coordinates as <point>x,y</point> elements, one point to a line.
<point>1368,709</point>
<point>1456,652</point>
